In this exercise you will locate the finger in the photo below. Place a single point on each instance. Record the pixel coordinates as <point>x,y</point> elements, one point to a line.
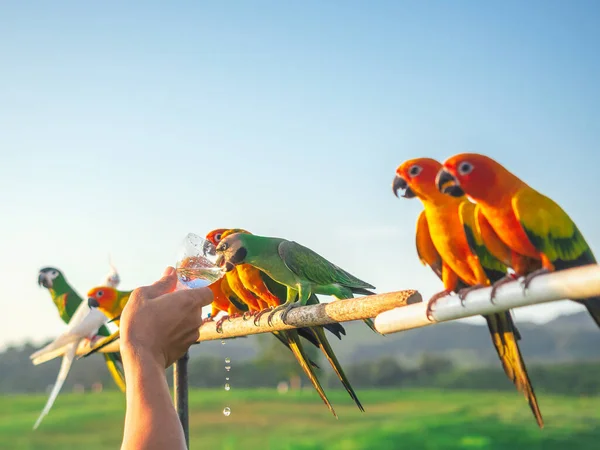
<point>201,296</point>
<point>163,286</point>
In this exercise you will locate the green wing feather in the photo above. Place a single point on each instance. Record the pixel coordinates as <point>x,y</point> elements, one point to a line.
<point>492,266</point>
<point>280,291</point>
<point>551,231</point>
<point>309,265</point>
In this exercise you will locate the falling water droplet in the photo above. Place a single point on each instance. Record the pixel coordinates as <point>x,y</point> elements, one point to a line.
<point>227,360</point>
<point>222,342</point>
<point>226,378</point>
<point>227,387</point>
<point>227,368</point>
<point>226,411</point>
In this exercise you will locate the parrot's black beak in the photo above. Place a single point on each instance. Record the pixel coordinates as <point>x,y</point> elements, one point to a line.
<point>93,303</point>
<point>448,184</point>
<point>400,183</point>
<point>43,281</point>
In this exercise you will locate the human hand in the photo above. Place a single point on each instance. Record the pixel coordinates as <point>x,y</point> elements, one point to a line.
<point>160,323</point>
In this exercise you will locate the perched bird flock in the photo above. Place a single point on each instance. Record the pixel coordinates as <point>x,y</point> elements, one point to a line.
<point>480,226</point>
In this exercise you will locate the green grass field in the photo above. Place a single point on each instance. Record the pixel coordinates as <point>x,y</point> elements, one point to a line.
<point>261,419</point>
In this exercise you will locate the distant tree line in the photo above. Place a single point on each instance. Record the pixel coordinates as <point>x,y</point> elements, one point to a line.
<point>273,365</point>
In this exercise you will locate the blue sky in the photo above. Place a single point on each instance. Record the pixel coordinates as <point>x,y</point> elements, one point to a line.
<point>124,127</point>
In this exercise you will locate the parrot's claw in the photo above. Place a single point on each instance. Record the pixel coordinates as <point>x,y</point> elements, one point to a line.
<point>529,278</point>
<point>248,314</point>
<point>207,319</point>
<point>434,299</point>
<point>259,314</point>
<point>219,324</point>
<point>501,282</point>
<point>462,294</point>
<point>287,310</point>
<point>286,307</point>
<point>270,316</point>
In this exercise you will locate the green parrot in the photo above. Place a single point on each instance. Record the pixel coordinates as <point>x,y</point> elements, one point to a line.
<point>300,269</point>
<point>67,301</point>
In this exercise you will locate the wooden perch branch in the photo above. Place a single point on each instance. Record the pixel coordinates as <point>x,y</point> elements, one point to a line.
<point>306,316</point>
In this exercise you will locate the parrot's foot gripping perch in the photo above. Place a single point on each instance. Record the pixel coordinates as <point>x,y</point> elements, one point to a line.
<point>208,319</point>
<point>529,278</point>
<point>434,299</point>
<point>219,324</point>
<point>501,282</point>
<point>248,314</point>
<point>462,294</point>
<point>286,308</point>
<point>259,314</point>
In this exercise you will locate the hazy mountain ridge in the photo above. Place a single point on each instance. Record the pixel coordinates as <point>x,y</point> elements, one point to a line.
<point>569,338</point>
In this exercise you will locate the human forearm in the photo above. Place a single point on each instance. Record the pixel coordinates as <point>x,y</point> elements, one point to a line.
<point>157,328</point>
<point>150,421</point>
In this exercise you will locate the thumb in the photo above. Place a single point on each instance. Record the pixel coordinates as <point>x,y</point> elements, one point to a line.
<point>163,286</point>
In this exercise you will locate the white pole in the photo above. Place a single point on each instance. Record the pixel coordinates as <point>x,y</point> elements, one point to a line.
<point>577,283</point>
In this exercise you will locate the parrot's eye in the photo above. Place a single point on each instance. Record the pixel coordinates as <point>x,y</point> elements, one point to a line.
<point>54,273</point>
<point>218,237</point>
<point>465,168</point>
<point>415,170</point>
<point>224,246</point>
<point>99,293</point>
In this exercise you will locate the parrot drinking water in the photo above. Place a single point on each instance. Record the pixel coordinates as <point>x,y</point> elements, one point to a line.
<point>274,294</point>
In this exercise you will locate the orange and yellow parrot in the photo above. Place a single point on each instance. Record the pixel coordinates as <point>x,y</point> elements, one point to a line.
<point>530,224</point>
<point>273,294</point>
<point>452,241</point>
<point>224,299</point>
<point>110,302</point>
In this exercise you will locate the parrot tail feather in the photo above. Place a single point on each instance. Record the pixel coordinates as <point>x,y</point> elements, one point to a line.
<point>330,355</point>
<point>296,347</point>
<point>284,341</point>
<point>115,367</point>
<point>65,367</point>
<point>371,325</point>
<point>593,306</point>
<point>504,337</point>
<point>336,329</point>
<point>306,334</point>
